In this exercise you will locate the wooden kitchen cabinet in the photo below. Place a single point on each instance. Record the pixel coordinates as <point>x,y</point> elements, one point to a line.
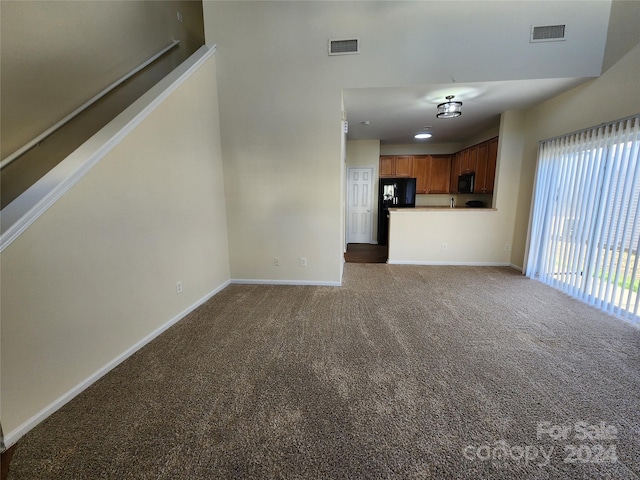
<point>469,159</point>
<point>392,166</point>
<point>486,166</point>
<point>421,173</point>
<point>455,172</point>
<point>480,159</point>
<point>439,173</point>
<point>432,173</point>
<point>464,160</point>
<point>386,167</point>
<point>480,185</point>
<point>404,166</point>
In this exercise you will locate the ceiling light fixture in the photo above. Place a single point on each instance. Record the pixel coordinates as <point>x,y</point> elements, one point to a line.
<point>422,135</point>
<point>449,109</point>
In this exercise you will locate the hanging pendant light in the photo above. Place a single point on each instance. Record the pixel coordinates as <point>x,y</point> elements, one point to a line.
<point>449,109</point>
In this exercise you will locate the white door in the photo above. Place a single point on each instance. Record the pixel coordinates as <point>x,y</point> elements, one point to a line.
<point>359,208</point>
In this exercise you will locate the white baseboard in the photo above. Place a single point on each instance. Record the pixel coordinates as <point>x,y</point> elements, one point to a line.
<point>516,267</point>
<point>14,435</point>
<point>252,281</point>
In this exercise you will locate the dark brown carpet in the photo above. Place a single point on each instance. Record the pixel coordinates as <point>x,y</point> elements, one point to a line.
<point>404,372</point>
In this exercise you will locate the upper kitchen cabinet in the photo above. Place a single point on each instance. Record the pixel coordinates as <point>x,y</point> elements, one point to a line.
<point>395,166</point>
<point>432,172</point>
<point>486,166</point>
<point>439,173</point>
<point>387,167</point>
<point>480,184</point>
<point>468,159</point>
<point>455,172</point>
<point>421,173</point>
<point>479,159</point>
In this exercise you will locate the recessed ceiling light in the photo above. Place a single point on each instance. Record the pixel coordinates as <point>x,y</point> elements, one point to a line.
<point>422,135</point>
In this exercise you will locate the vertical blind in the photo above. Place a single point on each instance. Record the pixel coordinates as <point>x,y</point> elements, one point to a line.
<point>585,231</point>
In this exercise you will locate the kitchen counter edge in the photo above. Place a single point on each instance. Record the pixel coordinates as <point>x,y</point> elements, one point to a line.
<point>443,209</point>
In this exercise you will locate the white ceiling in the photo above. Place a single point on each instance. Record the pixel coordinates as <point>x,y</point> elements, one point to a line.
<point>489,64</point>
<point>397,113</point>
<point>409,59</point>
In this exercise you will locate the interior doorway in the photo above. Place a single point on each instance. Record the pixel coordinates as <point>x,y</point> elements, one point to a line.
<point>366,253</point>
<point>359,204</point>
<point>360,214</point>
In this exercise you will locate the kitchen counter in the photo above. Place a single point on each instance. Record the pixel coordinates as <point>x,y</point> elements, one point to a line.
<point>442,235</point>
<point>442,209</point>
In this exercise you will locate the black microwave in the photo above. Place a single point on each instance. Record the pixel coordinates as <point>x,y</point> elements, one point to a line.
<point>465,183</point>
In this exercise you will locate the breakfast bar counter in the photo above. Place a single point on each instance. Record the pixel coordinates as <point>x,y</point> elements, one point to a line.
<point>433,235</point>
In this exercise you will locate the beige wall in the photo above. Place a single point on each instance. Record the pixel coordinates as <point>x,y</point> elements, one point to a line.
<point>421,149</point>
<point>623,32</point>
<point>612,96</point>
<point>473,237</point>
<point>363,153</point>
<point>97,272</point>
<point>281,117</point>
<point>484,136</point>
<point>49,46</point>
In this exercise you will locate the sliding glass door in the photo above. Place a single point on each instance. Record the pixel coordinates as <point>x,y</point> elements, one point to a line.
<point>585,230</point>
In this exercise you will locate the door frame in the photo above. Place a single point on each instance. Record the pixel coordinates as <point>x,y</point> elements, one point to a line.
<point>348,198</point>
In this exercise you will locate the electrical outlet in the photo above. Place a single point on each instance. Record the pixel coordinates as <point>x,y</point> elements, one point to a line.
<point>276,261</point>
<point>178,287</point>
<point>445,246</point>
<point>303,261</point>
<point>507,247</point>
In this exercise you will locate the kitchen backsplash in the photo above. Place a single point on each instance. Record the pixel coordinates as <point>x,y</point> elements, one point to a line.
<point>444,200</point>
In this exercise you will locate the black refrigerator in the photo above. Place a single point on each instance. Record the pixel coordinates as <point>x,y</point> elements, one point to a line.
<point>393,193</point>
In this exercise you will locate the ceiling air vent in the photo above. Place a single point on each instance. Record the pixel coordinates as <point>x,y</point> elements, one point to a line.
<point>344,47</point>
<point>548,33</point>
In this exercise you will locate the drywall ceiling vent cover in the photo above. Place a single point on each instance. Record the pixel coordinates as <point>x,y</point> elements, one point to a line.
<point>548,33</point>
<point>344,47</point>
